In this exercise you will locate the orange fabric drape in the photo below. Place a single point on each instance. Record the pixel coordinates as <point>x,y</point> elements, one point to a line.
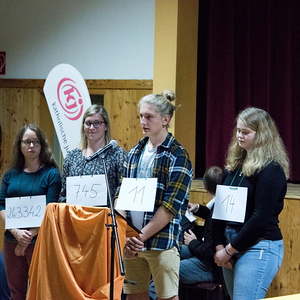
<point>71,259</point>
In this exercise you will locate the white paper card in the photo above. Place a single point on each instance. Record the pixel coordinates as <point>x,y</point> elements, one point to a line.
<point>24,212</point>
<point>87,190</point>
<point>137,194</point>
<point>230,203</point>
<point>190,216</point>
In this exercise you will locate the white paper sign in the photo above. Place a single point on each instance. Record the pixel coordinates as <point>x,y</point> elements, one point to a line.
<point>88,190</point>
<point>190,216</point>
<point>137,194</point>
<point>24,212</point>
<point>230,203</point>
<point>68,98</point>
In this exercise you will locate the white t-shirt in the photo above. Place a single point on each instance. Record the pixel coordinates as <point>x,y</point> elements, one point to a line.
<point>144,170</point>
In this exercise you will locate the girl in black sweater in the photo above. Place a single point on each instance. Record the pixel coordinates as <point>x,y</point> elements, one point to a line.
<point>251,251</point>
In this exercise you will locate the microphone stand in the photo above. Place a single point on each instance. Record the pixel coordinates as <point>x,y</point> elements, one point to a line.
<point>114,241</point>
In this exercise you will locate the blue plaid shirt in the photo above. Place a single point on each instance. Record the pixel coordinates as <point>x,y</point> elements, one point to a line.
<point>173,170</point>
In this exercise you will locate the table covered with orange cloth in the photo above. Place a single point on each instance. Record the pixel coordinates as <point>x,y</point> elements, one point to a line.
<point>71,259</point>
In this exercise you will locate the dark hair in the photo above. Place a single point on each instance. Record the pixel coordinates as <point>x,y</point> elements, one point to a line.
<point>45,157</point>
<point>211,178</point>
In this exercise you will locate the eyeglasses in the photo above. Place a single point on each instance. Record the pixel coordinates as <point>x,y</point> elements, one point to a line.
<point>96,123</point>
<point>29,142</point>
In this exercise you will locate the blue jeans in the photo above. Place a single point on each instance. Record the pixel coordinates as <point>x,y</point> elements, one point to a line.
<point>192,269</point>
<point>253,270</point>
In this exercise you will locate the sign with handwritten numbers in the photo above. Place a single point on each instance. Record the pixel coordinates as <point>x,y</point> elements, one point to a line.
<point>24,212</point>
<point>87,190</point>
<point>137,194</point>
<point>230,203</point>
<point>190,216</point>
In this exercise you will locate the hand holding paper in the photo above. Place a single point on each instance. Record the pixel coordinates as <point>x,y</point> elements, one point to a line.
<point>190,216</point>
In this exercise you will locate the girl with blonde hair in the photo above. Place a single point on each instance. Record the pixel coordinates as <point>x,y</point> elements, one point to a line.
<point>251,252</point>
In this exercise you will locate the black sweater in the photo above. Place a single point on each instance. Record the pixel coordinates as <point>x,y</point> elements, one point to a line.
<point>265,199</point>
<point>203,247</point>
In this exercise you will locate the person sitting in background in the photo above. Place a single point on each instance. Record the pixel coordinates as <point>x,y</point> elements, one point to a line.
<point>33,172</point>
<point>197,252</point>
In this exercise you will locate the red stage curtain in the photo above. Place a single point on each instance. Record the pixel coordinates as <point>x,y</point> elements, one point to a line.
<point>249,55</point>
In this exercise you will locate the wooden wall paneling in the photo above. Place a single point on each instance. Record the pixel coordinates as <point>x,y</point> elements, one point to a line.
<point>19,107</point>
<point>122,108</point>
<point>201,197</point>
<point>132,84</point>
<point>119,84</point>
<point>45,121</point>
<point>287,280</point>
<point>198,194</point>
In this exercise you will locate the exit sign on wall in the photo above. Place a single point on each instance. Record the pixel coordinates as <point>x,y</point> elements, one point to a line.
<point>2,62</point>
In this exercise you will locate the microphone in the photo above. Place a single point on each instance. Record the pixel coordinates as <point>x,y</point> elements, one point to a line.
<point>130,281</point>
<point>113,143</point>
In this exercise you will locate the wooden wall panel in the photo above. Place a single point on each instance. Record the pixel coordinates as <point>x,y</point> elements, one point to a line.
<point>18,107</point>
<point>288,279</point>
<point>122,108</point>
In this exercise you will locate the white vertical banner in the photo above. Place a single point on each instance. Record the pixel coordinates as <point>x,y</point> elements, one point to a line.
<point>68,97</point>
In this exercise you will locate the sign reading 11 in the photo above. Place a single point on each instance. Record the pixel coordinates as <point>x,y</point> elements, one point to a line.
<point>138,194</point>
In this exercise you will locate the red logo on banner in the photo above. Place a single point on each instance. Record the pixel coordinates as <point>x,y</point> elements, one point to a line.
<point>2,62</point>
<point>70,98</point>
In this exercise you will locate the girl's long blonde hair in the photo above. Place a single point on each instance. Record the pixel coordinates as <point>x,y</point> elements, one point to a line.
<point>268,145</point>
